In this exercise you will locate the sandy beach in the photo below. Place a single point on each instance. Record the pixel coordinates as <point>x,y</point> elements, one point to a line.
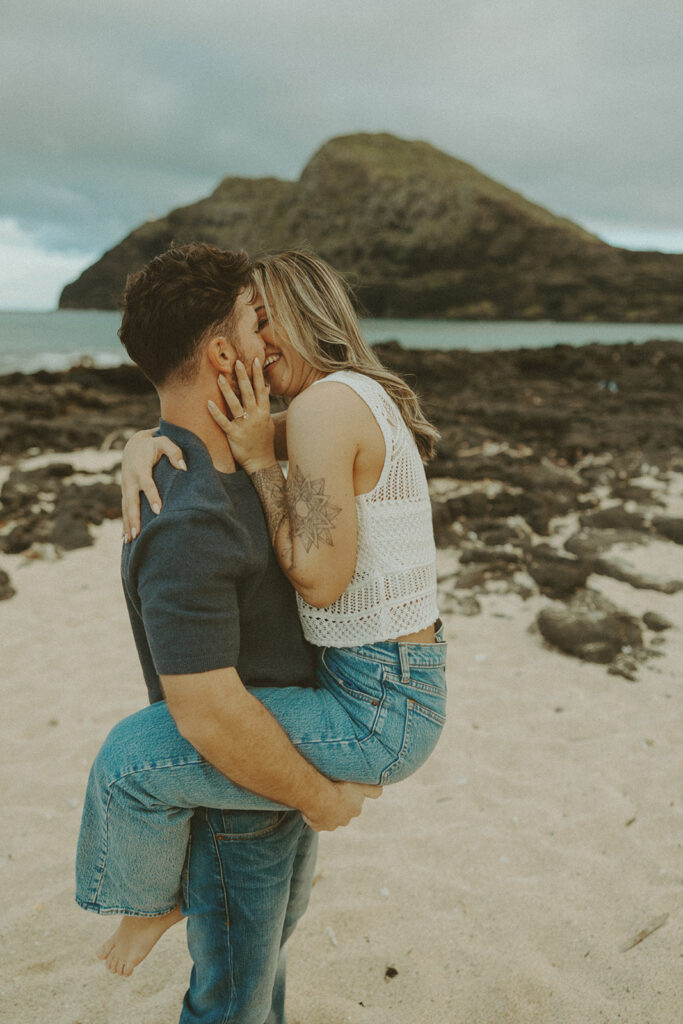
<point>530,873</point>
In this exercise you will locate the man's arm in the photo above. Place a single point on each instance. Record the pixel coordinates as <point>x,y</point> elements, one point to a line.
<point>239,737</point>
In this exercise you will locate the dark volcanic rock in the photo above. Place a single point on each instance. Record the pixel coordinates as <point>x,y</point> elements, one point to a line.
<point>495,534</point>
<point>421,234</point>
<point>460,604</point>
<point>670,527</point>
<point>93,502</point>
<point>539,508</point>
<point>634,492</point>
<point>557,575</point>
<point>70,531</point>
<point>46,510</point>
<point>591,543</point>
<point>478,504</point>
<point>24,488</point>
<point>656,622</point>
<point>626,666</point>
<point>79,408</point>
<point>442,520</point>
<point>32,529</point>
<point>615,517</point>
<point>476,575</point>
<point>6,588</point>
<point>642,421</point>
<point>590,627</point>
<point>498,556</point>
<point>515,469</point>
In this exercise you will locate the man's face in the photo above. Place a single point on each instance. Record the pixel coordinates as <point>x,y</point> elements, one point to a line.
<point>246,337</point>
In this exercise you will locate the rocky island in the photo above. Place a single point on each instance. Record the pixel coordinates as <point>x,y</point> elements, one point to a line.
<point>419,234</point>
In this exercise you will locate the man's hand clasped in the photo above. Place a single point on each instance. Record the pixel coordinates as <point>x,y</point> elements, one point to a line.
<point>348,803</point>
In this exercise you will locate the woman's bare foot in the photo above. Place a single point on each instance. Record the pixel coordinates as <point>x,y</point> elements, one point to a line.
<point>132,941</point>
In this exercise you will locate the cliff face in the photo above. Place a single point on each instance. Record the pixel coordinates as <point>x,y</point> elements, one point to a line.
<point>418,233</point>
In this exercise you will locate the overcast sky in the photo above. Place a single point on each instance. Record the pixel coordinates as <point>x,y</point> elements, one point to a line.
<point>113,111</point>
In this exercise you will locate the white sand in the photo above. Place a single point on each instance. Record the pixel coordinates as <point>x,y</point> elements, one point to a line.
<point>501,882</point>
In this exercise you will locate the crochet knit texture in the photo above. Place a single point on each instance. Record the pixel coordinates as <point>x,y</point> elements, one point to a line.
<point>393,588</point>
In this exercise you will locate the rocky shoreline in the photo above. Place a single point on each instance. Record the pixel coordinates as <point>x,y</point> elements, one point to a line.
<point>556,468</point>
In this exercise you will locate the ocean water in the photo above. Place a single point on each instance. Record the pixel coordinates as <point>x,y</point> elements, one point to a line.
<point>57,340</point>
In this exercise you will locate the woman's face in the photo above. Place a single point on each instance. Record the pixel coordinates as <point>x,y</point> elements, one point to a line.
<point>285,370</point>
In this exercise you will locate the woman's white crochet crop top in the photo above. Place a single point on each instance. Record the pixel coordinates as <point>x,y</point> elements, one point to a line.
<point>393,588</point>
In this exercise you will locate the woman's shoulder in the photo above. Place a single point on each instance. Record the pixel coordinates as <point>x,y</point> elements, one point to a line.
<point>333,398</point>
<point>368,393</point>
<point>353,382</point>
<point>343,387</point>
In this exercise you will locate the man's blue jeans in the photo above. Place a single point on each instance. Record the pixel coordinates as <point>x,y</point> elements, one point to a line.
<point>246,882</point>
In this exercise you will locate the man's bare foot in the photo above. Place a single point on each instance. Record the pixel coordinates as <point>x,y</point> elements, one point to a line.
<point>132,941</point>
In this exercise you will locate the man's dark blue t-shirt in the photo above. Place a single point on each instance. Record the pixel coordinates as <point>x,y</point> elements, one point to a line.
<point>202,584</point>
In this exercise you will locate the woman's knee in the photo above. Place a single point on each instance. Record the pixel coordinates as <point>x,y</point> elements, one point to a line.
<point>122,749</point>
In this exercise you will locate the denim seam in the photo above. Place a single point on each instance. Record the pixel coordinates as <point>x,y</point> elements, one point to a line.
<point>415,684</point>
<point>160,766</point>
<point>398,760</point>
<point>356,694</point>
<point>228,934</point>
<point>420,709</point>
<point>404,663</point>
<point>104,853</point>
<point>124,911</point>
<point>240,837</point>
<point>343,685</point>
<point>380,714</point>
<point>185,875</point>
<point>438,661</point>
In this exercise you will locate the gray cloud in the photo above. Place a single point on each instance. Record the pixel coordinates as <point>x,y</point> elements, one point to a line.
<point>112,113</point>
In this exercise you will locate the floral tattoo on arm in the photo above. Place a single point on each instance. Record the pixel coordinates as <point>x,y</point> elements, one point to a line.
<point>270,487</point>
<point>299,503</point>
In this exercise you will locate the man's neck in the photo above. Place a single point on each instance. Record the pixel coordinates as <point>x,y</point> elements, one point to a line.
<point>187,408</point>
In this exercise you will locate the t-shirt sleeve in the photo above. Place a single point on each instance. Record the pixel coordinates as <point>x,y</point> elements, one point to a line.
<point>187,583</point>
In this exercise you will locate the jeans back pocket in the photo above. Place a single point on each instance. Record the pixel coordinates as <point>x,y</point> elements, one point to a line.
<point>423,728</point>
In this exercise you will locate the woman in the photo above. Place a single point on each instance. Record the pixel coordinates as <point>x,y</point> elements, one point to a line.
<point>351,527</point>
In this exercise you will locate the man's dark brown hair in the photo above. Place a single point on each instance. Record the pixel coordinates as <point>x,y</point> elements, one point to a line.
<point>171,304</point>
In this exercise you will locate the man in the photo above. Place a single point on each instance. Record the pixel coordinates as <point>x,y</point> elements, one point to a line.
<point>211,612</point>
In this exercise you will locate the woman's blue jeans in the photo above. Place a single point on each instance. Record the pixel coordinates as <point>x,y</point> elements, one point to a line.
<point>375,716</point>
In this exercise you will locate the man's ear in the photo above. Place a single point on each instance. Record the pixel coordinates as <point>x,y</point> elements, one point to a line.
<point>221,355</point>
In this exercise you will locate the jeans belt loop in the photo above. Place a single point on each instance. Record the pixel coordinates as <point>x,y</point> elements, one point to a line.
<point>404,662</point>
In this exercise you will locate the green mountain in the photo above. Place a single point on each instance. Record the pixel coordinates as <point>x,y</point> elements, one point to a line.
<point>417,233</point>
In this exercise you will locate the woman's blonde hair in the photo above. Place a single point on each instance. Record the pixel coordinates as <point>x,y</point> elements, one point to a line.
<point>310,302</point>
